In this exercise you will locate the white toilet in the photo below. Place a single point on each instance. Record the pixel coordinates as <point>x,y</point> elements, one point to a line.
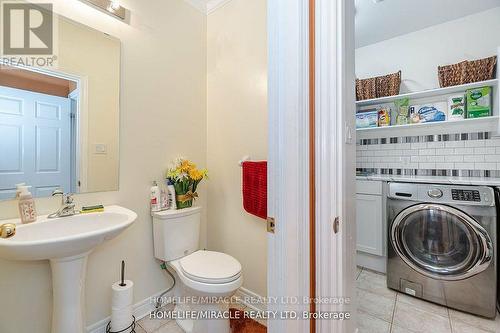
<point>202,274</point>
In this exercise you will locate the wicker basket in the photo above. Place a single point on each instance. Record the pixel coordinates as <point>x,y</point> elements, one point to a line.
<point>480,70</point>
<point>365,89</point>
<point>467,72</point>
<point>388,85</point>
<point>380,86</point>
<point>452,75</point>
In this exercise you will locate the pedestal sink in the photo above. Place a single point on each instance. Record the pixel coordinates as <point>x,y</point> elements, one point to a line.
<point>66,242</point>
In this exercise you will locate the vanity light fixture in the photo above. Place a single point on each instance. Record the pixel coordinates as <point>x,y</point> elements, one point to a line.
<point>111,7</point>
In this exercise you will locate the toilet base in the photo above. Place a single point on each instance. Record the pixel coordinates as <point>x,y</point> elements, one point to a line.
<point>203,325</point>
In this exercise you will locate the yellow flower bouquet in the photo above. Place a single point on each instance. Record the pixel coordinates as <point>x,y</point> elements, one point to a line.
<point>185,177</point>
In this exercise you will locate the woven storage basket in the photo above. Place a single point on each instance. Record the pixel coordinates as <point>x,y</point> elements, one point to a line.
<point>365,89</point>
<point>380,86</point>
<point>388,85</point>
<point>467,72</point>
<point>452,75</point>
<point>480,70</point>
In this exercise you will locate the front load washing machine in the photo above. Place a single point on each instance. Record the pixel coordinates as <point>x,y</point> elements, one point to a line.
<point>442,243</point>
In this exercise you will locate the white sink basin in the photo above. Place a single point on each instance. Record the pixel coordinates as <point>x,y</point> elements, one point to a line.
<point>66,242</point>
<point>64,236</point>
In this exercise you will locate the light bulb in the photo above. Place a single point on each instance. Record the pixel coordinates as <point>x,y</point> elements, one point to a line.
<point>114,5</point>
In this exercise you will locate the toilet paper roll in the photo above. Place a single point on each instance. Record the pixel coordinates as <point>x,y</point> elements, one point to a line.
<point>122,296</point>
<point>121,318</point>
<point>121,305</point>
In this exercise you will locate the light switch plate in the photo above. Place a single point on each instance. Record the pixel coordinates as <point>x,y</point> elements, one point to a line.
<point>101,148</point>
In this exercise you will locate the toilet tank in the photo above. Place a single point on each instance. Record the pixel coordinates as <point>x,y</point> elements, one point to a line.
<point>176,233</point>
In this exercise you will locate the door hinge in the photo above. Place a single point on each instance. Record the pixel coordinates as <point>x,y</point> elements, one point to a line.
<point>336,225</point>
<point>271,224</point>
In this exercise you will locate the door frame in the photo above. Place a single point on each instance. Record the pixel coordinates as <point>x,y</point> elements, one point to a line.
<point>288,165</point>
<point>324,35</point>
<point>335,161</point>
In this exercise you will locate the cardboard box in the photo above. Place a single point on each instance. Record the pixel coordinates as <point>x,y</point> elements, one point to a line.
<point>478,102</point>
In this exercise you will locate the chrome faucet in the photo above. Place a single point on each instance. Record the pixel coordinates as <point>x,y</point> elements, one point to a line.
<point>67,206</point>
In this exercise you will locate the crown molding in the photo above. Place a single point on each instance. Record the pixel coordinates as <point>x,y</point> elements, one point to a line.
<point>213,5</point>
<point>207,6</point>
<point>200,5</point>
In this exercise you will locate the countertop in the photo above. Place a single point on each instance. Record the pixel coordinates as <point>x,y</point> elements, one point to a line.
<point>434,179</point>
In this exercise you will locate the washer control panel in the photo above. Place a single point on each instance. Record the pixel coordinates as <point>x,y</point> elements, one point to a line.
<point>465,195</point>
<point>468,195</point>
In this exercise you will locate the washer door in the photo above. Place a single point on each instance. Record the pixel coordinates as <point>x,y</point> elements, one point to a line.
<point>441,242</point>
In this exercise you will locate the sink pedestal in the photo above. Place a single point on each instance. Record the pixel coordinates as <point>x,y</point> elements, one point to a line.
<point>68,285</point>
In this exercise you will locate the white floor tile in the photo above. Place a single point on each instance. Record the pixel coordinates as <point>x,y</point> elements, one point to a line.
<point>397,329</point>
<point>139,329</point>
<point>416,320</point>
<point>170,327</point>
<point>376,305</point>
<point>370,324</point>
<point>460,327</point>
<point>475,321</point>
<point>375,283</point>
<point>423,305</point>
<point>150,324</point>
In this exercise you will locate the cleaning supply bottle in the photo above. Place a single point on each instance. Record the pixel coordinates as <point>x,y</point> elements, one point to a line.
<point>155,197</point>
<point>171,195</point>
<point>27,209</point>
<point>164,197</point>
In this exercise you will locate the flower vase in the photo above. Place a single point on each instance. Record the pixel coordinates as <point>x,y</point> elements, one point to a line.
<point>183,195</point>
<point>183,204</point>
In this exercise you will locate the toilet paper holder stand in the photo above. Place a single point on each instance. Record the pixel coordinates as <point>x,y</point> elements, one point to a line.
<point>130,329</point>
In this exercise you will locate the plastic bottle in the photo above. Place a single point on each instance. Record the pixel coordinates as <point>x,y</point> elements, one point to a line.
<point>18,189</point>
<point>171,195</point>
<point>164,197</point>
<point>155,198</point>
<point>27,209</point>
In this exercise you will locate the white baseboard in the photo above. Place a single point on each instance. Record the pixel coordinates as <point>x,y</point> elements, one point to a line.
<point>247,297</point>
<point>252,300</point>
<point>375,263</point>
<point>141,310</point>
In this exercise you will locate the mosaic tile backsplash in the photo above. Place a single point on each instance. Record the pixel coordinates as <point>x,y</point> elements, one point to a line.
<point>466,155</point>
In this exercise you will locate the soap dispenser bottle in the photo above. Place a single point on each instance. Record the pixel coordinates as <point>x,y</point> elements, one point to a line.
<point>27,209</point>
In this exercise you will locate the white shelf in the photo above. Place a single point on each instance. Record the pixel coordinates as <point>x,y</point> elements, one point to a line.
<point>427,93</point>
<point>486,124</point>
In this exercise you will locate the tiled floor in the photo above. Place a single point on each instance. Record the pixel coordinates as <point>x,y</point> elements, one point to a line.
<point>147,325</point>
<point>382,310</point>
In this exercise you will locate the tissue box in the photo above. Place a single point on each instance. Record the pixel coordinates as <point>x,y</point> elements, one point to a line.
<point>478,102</point>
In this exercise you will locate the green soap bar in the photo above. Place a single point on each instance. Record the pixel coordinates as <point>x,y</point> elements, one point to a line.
<point>479,102</point>
<point>92,207</point>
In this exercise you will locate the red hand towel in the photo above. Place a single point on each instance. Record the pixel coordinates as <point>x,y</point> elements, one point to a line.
<point>255,188</point>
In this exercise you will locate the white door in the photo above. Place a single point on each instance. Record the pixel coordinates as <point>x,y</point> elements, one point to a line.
<point>35,142</point>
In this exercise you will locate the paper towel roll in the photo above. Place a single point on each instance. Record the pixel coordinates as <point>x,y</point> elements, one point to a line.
<point>121,305</point>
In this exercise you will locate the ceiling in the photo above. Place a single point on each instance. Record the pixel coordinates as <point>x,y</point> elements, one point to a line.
<point>376,22</point>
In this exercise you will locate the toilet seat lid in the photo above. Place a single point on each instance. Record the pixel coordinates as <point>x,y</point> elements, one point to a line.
<point>210,267</point>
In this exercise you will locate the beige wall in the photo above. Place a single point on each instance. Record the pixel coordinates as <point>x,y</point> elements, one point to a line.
<point>100,68</point>
<point>163,84</point>
<point>237,126</point>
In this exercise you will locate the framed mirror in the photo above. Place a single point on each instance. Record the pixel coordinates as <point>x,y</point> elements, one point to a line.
<point>59,126</point>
